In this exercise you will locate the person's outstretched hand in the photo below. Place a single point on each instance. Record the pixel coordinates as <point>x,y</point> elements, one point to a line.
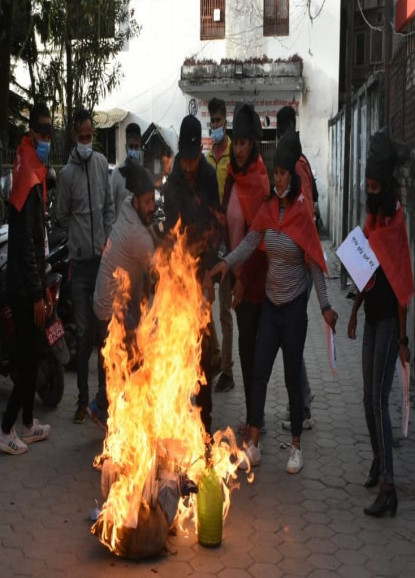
<point>221,268</point>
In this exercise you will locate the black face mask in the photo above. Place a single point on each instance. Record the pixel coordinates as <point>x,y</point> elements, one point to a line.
<point>374,202</point>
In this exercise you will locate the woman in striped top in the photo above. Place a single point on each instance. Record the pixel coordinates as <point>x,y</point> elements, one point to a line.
<point>285,224</point>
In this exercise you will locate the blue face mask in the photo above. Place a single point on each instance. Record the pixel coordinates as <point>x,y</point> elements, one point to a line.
<point>42,150</point>
<point>133,154</point>
<point>84,150</point>
<point>217,134</point>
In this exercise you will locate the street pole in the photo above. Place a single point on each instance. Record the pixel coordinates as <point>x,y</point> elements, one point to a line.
<point>347,128</point>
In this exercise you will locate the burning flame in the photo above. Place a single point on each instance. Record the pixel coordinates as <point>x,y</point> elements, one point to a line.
<point>150,387</point>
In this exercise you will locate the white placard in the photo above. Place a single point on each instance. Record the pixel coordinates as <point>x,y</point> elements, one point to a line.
<point>358,257</point>
<point>404,374</point>
<point>331,349</point>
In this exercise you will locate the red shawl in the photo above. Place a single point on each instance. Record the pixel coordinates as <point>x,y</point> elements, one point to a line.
<point>28,172</point>
<point>252,188</point>
<point>297,223</point>
<point>388,239</point>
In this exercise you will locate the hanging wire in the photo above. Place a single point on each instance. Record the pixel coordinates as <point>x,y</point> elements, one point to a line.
<point>318,12</point>
<point>377,28</point>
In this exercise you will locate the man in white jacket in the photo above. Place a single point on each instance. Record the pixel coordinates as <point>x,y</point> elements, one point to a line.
<point>130,246</point>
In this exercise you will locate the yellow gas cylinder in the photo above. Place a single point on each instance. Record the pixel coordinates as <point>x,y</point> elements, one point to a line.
<point>209,509</point>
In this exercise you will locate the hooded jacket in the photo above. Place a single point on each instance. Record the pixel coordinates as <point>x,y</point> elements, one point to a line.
<point>198,210</point>
<point>85,205</point>
<point>26,242</point>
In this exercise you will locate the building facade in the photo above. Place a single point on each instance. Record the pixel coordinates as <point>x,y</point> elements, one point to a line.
<point>267,52</point>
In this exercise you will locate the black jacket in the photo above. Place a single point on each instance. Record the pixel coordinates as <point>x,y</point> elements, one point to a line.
<point>199,210</point>
<point>26,249</point>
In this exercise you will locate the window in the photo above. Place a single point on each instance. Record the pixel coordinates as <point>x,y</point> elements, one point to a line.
<point>212,19</point>
<point>376,46</point>
<point>360,48</point>
<point>276,17</point>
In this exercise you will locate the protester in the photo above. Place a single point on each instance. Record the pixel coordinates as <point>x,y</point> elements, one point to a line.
<point>133,150</point>
<point>219,157</point>
<point>86,210</point>
<point>26,284</point>
<point>192,195</point>
<point>129,247</point>
<point>246,187</point>
<point>385,297</point>
<point>286,119</point>
<point>285,224</point>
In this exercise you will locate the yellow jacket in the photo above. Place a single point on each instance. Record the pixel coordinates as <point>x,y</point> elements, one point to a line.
<point>221,167</point>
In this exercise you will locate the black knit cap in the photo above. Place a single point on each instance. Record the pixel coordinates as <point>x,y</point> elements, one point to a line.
<point>381,158</point>
<point>190,138</point>
<point>133,130</point>
<point>288,150</point>
<point>138,180</point>
<point>246,123</point>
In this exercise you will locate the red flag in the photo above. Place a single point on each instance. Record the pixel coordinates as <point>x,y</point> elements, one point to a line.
<point>28,172</point>
<point>388,239</point>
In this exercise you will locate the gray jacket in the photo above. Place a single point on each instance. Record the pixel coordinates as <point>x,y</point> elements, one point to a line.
<point>118,189</point>
<point>130,246</point>
<point>85,205</point>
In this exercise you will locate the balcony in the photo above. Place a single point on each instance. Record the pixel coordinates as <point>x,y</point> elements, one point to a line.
<point>243,78</point>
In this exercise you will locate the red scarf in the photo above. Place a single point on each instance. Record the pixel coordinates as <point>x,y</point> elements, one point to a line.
<point>297,223</point>
<point>388,239</point>
<point>252,187</point>
<point>28,172</point>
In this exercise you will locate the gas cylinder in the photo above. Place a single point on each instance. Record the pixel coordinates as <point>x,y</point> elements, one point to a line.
<point>209,509</point>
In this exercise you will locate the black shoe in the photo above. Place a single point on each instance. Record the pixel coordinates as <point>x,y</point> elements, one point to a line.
<point>80,413</point>
<point>373,477</point>
<point>386,502</point>
<point>225,383</point>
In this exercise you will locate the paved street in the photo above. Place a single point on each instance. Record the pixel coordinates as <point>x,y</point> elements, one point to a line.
<point>311,524</point>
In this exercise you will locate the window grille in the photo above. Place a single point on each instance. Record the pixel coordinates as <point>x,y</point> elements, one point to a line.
<point>212,19</point>
<point>276,17</point>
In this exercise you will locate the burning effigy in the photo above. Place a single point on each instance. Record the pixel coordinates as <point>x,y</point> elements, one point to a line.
<point>160,468</point>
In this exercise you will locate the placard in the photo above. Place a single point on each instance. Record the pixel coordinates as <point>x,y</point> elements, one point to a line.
<point>358,257</point>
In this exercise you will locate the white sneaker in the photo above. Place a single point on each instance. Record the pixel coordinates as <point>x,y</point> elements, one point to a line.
<point>295,461</point>
<point>308,423</point>
<point>252,456</point>
<point>36,433</point>
<point>11,443</point>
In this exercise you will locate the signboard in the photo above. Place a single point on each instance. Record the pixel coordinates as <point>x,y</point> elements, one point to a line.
<point>358,257</point>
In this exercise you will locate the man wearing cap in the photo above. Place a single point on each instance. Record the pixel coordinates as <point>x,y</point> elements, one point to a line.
<point>192,194</point>
<point>26,283</point>
<point>133,149</point>
<point>86,210</point>
<point>130,246</point>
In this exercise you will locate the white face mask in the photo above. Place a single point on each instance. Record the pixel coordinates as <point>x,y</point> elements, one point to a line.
<point>284,194</point>
<point>84,150</point>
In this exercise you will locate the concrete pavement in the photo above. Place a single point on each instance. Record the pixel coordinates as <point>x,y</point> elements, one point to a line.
<point>311,524</point>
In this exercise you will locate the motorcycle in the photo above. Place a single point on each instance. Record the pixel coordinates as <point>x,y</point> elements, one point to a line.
<point>55,354</point>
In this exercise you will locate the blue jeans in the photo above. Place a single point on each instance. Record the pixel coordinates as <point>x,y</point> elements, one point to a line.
<point>379,354</point>
<point>282,326</point>
<point>83,277</point>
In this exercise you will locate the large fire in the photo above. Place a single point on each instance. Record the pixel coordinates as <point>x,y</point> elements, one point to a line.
<point>153,424</point>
